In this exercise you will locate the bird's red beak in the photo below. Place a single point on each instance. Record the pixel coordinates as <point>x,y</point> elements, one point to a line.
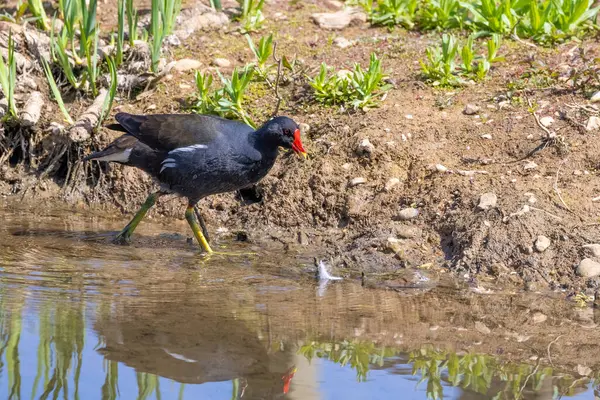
<point>297,144</point>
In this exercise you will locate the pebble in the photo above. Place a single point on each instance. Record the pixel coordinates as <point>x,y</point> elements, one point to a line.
<point>441,168</point>
<point>186,64</point>
<point>304,128</point>
<point>594,248</point>
<point>592,123</point>
<point>583,370</point>
<point>172,40</point>
<point>588,268</point>
<point>342,42</point>
<point>471,109</point>
<point>184,86</point>
<point>391,183</point>
<point>408,213</point>
<point>529,166</point>
<point>487,201</point>
<point>486,136</point>
<point>538,318</point>
<point>357,181</point>
<point>595,97</point>
<point>542,243</point>
<point>393,244</point>
<point>407,231</point>
<point>481,328</point>
<point>334,4</point>
<point>339,19</point>
<point>221,62</point>
<point>546,121</point>
<point>365,147</point>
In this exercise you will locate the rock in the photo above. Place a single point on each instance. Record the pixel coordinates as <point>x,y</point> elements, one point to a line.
<point>365,148</point>
<point>186,64</point>
<point>304,128</point>
<point>200,17</point>
<point>408,213</point>
<point>393,245</point>
<point>487,201</point>
<point>529,166</point>
<point>302,238</point>
<point>172,40</point>
<point>339,19</point>
<point>221,62</point>
<point>357,181</point>
<point>583,370</point>
<point>481,328</point>
<point>486,136</point>
<point>588,268</point>
<point>391,183</point>
<point>593,248</point>
<point>592,124</point>
<point>334,4</point>
<point>546,121</point>
<point>341,42</point>
<point>471,109</point>
<point>441,168</point>
<point>407,231</point>
<point>542,243</point>
<point>538,318</point>
<point>595,97</point>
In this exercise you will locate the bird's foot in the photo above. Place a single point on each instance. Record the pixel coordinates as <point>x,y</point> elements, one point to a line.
<point>123,238</point>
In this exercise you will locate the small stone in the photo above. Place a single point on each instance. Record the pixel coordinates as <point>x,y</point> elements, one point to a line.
<point>357,181</point>
<point>172,40</point>
<point>487,201</point>
<point>342,42</point>
<point>546,121</point>
<point>471,109</point>
<point>186,64</point>
<point>365,148</point>
<point>529,166</point>
<point>527,249</point>
<point>595,97</point>
<point>407,231</point>
<point>393,245</point>
<point>391,183</point>
<point>304,128</point>
<point>542,243</point>
<point>408,213</point>
<point>592,124</point>
<point>481,328</point>
<point>221,62</point>
<point>302,238</point>
<point>339,19</point>
<point>593,248</point>
<point>185,86</point>
<point>588,268</point>
<point>486,136</point>
<point>441,168</point>
<point>538,318</point>
<point>279,16</point>
<point>583,370</point>
<point>408,116</point>
<point>334,4</point>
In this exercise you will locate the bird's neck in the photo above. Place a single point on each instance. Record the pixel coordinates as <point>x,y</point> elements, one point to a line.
<point>265,143</point>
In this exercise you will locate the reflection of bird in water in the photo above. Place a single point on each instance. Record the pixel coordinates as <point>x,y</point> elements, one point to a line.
<point>193,346</point>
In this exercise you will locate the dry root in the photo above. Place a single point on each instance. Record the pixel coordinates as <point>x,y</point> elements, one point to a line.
<point>82,130</point>
<point>32,111</point>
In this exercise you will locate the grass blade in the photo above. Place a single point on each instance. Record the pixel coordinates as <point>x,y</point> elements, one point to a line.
<point>55,91</point>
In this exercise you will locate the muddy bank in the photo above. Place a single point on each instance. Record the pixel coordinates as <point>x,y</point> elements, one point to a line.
<point>410,200</point>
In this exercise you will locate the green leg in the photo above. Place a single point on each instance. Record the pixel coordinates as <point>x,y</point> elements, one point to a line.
<point>125,235</point>
<point>202,224</point>
<point>191,219</point>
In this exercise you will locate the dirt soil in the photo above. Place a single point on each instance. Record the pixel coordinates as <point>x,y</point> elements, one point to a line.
<point>444,160</point>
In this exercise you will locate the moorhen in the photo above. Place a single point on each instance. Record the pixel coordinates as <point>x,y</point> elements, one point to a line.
<point>195,156</point>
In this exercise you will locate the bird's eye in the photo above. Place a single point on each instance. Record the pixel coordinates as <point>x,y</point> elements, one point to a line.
<point>287,132</point>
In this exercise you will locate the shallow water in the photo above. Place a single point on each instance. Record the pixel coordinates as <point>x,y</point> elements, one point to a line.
<point>81,318</point>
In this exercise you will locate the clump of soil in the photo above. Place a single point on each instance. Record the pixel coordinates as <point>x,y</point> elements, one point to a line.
<point>426,154</point>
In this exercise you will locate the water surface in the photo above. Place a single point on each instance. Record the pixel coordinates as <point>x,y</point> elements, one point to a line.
<point>81,318</point>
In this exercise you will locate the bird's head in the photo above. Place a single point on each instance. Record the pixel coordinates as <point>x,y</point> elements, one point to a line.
<point>286,134</point>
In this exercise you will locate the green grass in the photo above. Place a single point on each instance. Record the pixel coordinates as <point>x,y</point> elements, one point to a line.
<point>36,8</point>
<point>56,91</point>
<point>251,18</point>
<point>359,88</point>
<point>8,76</point>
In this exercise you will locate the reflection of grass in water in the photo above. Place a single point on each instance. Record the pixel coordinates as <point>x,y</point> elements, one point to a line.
<point>147,384</point>
<point>359,355</point>
<point>110,388</point>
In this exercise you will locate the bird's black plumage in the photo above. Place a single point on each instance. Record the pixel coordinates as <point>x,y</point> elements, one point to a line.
<point>199,155</point>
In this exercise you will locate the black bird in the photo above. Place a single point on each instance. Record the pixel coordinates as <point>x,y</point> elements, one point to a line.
<point>196,156</point>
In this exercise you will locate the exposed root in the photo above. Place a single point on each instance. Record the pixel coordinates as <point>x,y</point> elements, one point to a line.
<point>82,130</point>
<point>31,113</point>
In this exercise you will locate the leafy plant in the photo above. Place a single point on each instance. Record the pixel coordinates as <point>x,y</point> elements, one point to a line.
<point>488,17</point>
<point>157,28</point>
<point>36,7</point>
<point>362,89</point>
<point>393,12</point>
<point>56,91</point>
<point>441,14</point>
<point>132,21</point>
<point>226,101</point>
<point>120,32</point>
<point>262,53</point>
<point>169,12</point>
<point>8,75</point>
<point>252,16</point>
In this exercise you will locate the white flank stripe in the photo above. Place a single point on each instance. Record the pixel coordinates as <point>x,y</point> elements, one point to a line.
<point>168,165</point>
<point>118,157</point>
<point>189,148</point>
<point>168,160</point>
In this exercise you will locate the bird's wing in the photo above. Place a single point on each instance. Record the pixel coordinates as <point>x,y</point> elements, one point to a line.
<point>172,131</point>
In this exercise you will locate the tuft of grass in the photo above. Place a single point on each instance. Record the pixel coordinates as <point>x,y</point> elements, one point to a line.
<point>216,5</point>
<point>441,69</point>
<point>56,91</point>
<point>394,12</point>
<point>132,21</point>
<point>8,76</point>
<point>120,32</point>
<point>36,7</point>
<point>157,29</point>
<point>262,53</point>
<point>228,100</point>
<point>362,89</point>
<point>112,91</point>
<point>441,15</point>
